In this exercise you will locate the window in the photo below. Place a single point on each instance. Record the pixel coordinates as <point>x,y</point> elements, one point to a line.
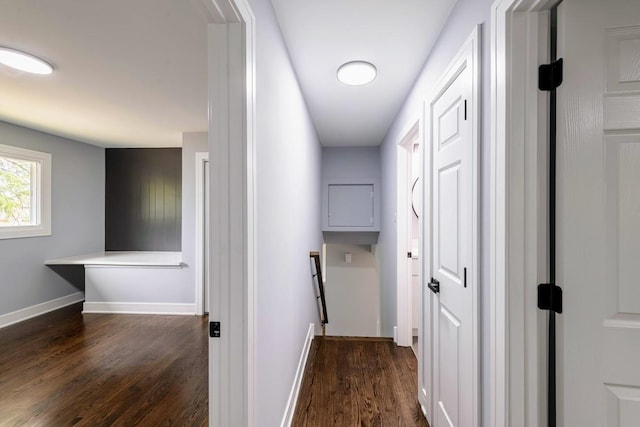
<point>25,193</point>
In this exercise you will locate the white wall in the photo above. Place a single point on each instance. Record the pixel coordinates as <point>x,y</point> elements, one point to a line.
<point>288,223</point>
<point>463,18</point>
<point>352,291</point>
<point>77,220</point>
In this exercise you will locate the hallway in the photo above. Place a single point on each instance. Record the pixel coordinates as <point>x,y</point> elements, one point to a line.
<point>359,382</point>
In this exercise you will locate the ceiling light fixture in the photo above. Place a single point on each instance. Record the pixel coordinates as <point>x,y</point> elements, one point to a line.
<point>24,62</point>
<point>357,73</point>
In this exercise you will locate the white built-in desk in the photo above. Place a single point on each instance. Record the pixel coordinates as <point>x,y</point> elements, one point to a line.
<point>134,282</point>
<point>131,259</point>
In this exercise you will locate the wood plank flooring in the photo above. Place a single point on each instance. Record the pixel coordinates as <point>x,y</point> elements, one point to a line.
<point>65,368</point>
<point>351,382</point>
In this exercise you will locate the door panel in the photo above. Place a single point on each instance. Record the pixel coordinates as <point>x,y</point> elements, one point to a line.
<point>448,250</point>
<point>452,248</point>
<point>599,212</point>
<point>448,372</point>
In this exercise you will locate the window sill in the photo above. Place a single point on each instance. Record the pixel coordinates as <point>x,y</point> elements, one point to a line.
<point>24,232</point>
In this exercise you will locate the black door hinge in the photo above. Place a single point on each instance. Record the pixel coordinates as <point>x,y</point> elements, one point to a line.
<point>409,255</point>
<point>214,329</point>
<point>550,297</point>
<point>550,75</point>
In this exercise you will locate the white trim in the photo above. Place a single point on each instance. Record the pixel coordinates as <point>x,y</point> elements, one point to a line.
<point>233,255</point>
<point>403,273</point>
<point>139,308</point>
<point>290,410</point>
<point>425,331</point>
<point>41,194</point>
<point>201,158</point>
<point>516,229</point>
<point>39,309</point>
<point>473,44</point>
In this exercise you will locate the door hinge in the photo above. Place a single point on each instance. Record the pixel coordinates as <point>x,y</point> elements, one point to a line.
<point>550,297</point>
<point>214,329</point>
<point>550,75</point>
<point>409,255</point>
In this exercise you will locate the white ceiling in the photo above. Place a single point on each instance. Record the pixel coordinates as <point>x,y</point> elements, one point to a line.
<point>127,73</point>
<point>133,73</point>
<point>395,35</point>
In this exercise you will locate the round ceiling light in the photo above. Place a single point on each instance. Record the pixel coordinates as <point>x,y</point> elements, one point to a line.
<point>357,73</point>
<point>24,62</point>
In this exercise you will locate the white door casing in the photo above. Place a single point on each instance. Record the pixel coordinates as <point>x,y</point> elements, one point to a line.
<point>202,234</point>
<point>518,214</point>
<point>599,213</point>
<point>453,135</point>
<point>415,233</point>
<point>232,359</point>
<point>403,279</point>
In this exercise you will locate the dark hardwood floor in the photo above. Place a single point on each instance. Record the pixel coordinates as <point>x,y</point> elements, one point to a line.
<point>65,368</point>
<point>351,382</point>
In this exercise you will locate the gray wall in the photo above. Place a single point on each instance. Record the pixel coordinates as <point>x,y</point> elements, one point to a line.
<point>191,144</point>
<point>288,225</point>
<point>352,291</point>
<point>356,284</point>
<point>463,18</point>
<point>77,220</point>
<point>351,162</point>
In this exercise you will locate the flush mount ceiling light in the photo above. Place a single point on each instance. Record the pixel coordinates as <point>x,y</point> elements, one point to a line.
<point>24,62</point>
<point>357,73</point>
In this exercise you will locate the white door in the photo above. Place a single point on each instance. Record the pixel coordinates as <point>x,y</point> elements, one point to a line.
<point>453,313</point>
<point>599,213</point>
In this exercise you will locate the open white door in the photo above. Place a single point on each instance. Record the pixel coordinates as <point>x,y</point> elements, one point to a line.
<point>452,118</point>
<point>599,213</point>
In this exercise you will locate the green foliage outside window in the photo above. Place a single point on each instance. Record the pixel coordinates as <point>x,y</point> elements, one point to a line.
<point>15,191</point>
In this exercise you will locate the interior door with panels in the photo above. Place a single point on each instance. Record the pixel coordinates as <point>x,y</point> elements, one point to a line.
<point>452,115</point>
<point>599,212</point>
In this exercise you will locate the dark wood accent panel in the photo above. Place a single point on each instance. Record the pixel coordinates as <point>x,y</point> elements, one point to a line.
<point>359,382</point>
<point>65,368</point>
<point>143,199</point>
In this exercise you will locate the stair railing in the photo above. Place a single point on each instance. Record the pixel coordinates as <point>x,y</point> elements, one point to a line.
<point>322,308</point>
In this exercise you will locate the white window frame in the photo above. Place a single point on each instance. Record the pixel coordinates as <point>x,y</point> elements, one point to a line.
<point>41,194</point>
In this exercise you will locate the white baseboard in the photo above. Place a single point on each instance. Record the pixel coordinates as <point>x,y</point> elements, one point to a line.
<point>297,381</point>
<point>395,334</point>
<point>139,308</point>
<point>38,309</point>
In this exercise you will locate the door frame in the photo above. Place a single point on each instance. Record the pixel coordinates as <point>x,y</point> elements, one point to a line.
<point>447,76</point>
<point>518,224</point>
<point>201,241</point>
<point>232,300</point>
<point>404,301</point>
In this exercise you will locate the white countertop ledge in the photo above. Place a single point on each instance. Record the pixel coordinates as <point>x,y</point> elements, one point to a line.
<point>129,258</point>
